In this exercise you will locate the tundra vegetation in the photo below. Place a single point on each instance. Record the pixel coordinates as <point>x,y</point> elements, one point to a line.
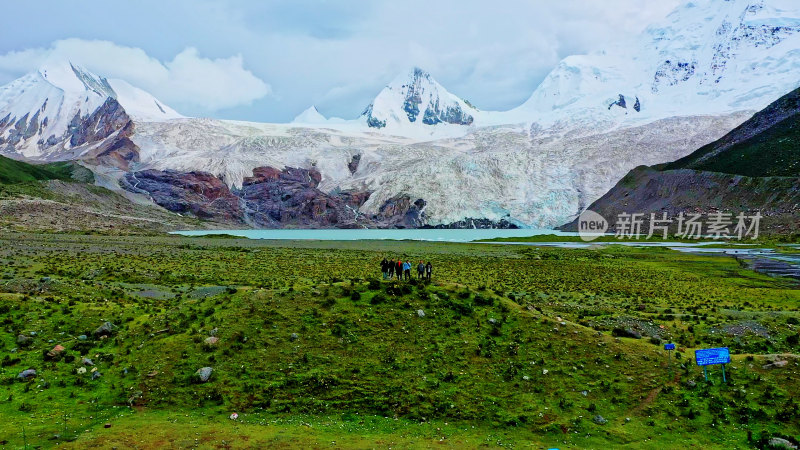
<point>507,346</point>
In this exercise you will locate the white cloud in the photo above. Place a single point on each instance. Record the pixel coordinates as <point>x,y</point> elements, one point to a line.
<point>187,81</point>
<point>337,55</point>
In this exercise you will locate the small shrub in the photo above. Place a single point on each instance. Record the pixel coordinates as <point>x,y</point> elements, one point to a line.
<point>480,300</point>
<point>374,284</point>
<point>625,332</point>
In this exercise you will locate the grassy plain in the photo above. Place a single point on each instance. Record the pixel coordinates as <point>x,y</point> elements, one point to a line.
<point>515,346</point>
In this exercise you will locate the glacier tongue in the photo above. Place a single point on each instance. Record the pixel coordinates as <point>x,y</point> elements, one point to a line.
<point>494,173</point>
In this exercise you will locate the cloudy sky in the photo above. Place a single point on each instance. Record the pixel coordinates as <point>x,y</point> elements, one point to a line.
<point>269,60</point>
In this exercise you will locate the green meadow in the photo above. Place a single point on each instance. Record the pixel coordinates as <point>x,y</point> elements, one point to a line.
<point>508,346</point>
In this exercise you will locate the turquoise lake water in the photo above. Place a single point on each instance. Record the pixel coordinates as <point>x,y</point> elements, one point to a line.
<point>356,235</point>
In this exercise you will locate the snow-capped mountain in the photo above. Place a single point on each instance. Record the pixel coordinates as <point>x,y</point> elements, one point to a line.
<point>62,107</point>
<point>681,84</point>
<point>706,57</point>
<point>416,98</point>
<point>310,116</point>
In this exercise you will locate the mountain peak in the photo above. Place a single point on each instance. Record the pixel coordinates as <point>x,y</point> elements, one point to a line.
<point>412,75</point>
<point>415,97</point>
<point>58,105</point>
<point>70,77</point>
<point>310,116</point>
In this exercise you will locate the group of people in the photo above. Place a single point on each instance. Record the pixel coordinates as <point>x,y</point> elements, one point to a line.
<point>402,269</point>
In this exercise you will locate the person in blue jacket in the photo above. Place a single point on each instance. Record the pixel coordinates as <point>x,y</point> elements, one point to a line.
<point>407,270</point>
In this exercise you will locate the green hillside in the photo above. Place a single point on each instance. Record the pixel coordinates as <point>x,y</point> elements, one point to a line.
<point>774,152</point>
<point>509,346</point>
<point>766,145</point>
<point>13,171</point>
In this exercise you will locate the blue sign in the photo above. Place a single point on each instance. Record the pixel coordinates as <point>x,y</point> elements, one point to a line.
<point>669,346</point>
<point>709,356</point>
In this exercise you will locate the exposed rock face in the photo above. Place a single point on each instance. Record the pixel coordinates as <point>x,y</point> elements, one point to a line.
<point>620,102</point>
<point>118,151</point>
<point>400,212</point>
<point>372,121</point>
<point>352,166</point>
<point>670,73</point>
<point>99,125</point>
<point>197,193</point>
<point>482,224</point>
<point>271,198</point>
<point>451,114</point>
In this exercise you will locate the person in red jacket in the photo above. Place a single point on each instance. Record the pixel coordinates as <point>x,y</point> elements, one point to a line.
<point>399,269</point>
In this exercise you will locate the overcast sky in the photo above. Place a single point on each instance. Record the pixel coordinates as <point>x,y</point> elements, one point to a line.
<point>269,60</point>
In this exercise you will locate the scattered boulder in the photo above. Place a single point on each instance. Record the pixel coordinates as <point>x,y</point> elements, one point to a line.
<point>83,337</point>
<point>107,425</point>
<point>691,383</point>
<point>104,330</point>
<point>600,420</point>
<point>55,353</point>
<point>781,443</point>
<point>544,371</point>
<point>27,374</point>
<point>211,340</point>
<point>492,321</point>
<point>213,332</point>
<point>294,336</point>
<point>420,313</point>
<point>86,361</point>
<point>24,341</point>
<point>775,365</point>
<point>81,370</point>
<point>96,375</point>
<point>203,374</point>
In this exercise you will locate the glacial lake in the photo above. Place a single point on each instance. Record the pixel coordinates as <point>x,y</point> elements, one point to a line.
<point>463,235</point>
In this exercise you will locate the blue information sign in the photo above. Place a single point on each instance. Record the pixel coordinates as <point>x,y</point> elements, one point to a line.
<point>669,346</point>
<point>709,356</point>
